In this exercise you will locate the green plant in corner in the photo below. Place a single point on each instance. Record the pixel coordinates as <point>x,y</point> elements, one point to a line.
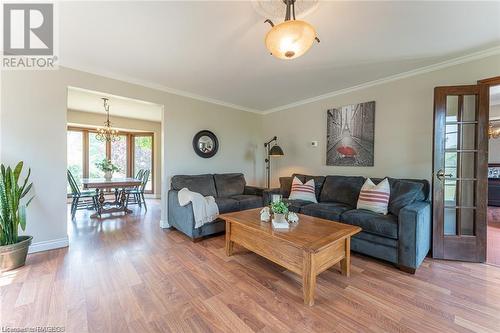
<point>12,210</point>
<point>279,207</point>
<point>106,166</point>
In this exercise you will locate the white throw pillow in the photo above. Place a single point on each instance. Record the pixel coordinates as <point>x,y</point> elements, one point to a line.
<point>302,191</point>
<point>375,197</point>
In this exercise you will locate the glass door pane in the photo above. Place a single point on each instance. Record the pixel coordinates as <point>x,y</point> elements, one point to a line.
<point>460,158</point>
<point>143,157</point>
<point>119,156</point>
<point>97,152</point>
<point>75,155</point>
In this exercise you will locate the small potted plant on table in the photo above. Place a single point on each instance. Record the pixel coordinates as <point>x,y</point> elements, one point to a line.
<point>13,248</point>
<point>280,209</point>
<point>107,167</point>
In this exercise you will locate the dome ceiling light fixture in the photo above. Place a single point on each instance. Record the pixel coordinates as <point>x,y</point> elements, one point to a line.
<point>291,38</point>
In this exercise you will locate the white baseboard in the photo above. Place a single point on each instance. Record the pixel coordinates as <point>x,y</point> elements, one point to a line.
<point>49,245</point>
<point>164,224</point>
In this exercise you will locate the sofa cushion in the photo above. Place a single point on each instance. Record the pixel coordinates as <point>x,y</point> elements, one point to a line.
<point>285,186</point>
<point>374,223</point>
<point>343,189</point>
<point>325,210</point>
<point>248,201</point>
<point>422,195</point>
<point>403,193</point>
<point>227,205</point>
<point>295,205</point>
<point>228,184</point>
<point>203,184</point>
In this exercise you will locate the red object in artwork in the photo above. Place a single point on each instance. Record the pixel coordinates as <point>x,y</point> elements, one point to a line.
<point>346,151</point>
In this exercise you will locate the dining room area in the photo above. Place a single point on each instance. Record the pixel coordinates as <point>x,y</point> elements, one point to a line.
<point>112,170</point>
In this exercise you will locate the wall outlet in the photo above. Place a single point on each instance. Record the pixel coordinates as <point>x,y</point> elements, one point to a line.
<point>314,143</point>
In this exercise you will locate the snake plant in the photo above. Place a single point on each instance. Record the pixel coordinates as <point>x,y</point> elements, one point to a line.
<point>12,210</point>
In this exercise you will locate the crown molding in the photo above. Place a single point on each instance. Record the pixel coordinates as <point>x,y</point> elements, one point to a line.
<point>431,68</point>
<point>447,63</point>
<point>160,87</point>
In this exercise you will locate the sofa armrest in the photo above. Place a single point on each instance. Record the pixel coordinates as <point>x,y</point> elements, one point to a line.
<point>267,195</point>
<point>415,231</point>
<point>180,217</point>
<point>254,190</point>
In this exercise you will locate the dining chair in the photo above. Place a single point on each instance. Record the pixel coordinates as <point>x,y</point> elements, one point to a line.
<point>77,195</point>
<point>138,193</point>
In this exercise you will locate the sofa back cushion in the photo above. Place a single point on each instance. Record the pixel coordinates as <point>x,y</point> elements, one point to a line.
<point>403,193</point>
<point>203,184</point>
<point>285,186</point>
<point>421,196</point>
<point>228,184</point>
<point>343,189</point>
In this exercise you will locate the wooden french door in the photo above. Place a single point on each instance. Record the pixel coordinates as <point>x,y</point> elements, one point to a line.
<point>460,172</point>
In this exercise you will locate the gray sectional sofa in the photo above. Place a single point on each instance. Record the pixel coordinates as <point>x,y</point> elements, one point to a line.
<point>229,190</point>
<point>402,237</point>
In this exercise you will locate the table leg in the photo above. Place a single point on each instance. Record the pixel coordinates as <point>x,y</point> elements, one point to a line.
<point>101,201</point>
<point>229,242</point>
<point>309,278</point>
<point>345,264</point>
<point>123,202</point>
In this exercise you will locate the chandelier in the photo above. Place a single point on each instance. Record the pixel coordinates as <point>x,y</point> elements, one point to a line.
<point>291,38</point>
<point>107,133</point>
<point>493,132</point>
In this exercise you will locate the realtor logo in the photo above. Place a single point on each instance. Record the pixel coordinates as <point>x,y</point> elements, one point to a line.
<point>28,29</point>
<point>28,36</point>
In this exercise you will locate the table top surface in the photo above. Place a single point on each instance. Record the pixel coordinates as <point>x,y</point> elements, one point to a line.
<point>309,233</point>
<point>113,182</point>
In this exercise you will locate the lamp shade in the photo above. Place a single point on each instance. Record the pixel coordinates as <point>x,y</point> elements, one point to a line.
<point>290,39</point>
<point>276,151</point>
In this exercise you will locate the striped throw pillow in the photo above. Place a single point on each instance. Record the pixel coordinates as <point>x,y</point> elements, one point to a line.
<point>375,197</point>
<point>302,191</point>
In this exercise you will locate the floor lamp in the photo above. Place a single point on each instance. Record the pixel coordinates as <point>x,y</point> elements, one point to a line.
<point>274,150</point>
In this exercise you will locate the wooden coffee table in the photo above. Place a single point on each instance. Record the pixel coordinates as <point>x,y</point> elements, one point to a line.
<point>307,248</point>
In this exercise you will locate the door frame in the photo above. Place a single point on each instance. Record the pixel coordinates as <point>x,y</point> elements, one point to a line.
<point>461,247</point>
<point>489,82</point>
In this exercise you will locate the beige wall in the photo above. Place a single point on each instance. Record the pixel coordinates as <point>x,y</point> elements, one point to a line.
<point>34,119</point>
<point>403,124</point>
<point>93,119</point>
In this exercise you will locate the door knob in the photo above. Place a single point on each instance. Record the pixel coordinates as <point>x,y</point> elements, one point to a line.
<point>441,174</point>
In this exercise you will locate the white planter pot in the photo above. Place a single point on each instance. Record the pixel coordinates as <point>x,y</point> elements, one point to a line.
<point>108,175</point>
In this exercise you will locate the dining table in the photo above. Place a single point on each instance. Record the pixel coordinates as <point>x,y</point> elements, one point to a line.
<point>120,187</point>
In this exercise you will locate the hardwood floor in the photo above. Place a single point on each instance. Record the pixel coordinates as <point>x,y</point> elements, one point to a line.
<point>493,242</point>
<point>128,275</point>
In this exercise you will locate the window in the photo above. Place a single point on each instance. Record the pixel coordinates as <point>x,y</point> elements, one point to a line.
<point>133,152</point>
<point>143,156</point>
<point>97,152</point>
<point>75,155</point>
<point>119,156</point>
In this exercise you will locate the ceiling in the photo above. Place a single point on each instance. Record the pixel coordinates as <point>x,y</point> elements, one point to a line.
<point>90,101</point>
<point>215,50</point>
